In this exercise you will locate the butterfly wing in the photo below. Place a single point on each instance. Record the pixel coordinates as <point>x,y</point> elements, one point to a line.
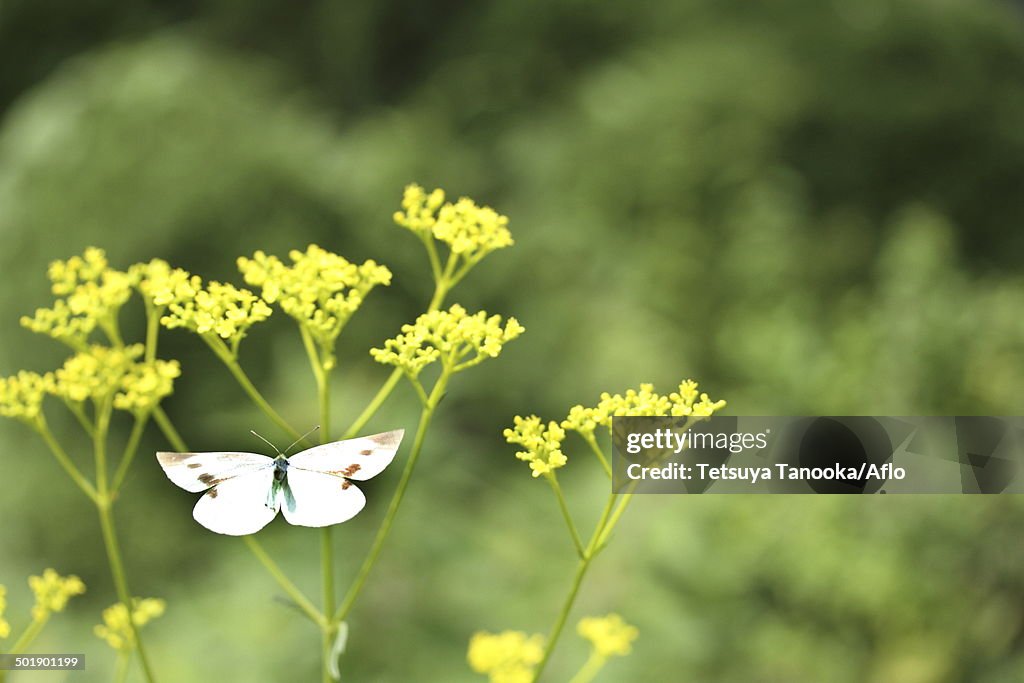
<point>358,459</point>
<point>317,499</point>
<point>240,505</point>
<point>197,472</point>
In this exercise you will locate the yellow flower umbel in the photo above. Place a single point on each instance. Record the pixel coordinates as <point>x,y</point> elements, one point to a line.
<point>95,373</point>
<point>686,401</point>
<point>219,313</point>
<point>5,628</point>
<point>52,592</point>
<point>507,657</point>
<point>471,232</point>
<point>21,396</point>
<point>542,443</point>
<point>454,337</point>
<point>145,385</point>
<point>117,630</point>
<point>93,294</point>
<point>161,285</point>
<point>100,373</point>
<point>609,635</point>
<point>320,290</point>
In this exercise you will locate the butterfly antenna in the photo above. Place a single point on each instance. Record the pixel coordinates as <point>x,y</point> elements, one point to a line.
<point>266,441</point>
<point>302,437</point>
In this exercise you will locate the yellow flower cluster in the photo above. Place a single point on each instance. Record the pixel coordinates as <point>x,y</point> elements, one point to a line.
<point>458,339</point>
<point>686,401</point>
<point>609,635</point>
<point>96,372</point>
<point>469,230</point>
<point>61,323</point>
<point>52,592</point>
<point>145,385</point>
<point>507,657</point>
<point>5,628</point>
<point>93,294</point>
<point>162,285</point>
<point>117,630</point>
<point>220,309</point>
<point>100,372</point>
<point>21,396</point>
<point>542,443</point>
<point>321,290</point>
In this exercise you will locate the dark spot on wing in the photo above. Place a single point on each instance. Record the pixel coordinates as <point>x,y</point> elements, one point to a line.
<point>366,452</point>
<point>345,484</point>
<point>385,439</point>
<point>351,469</point>
<point>193,465</point>
<point>208,479</point>
<point>212,492</point>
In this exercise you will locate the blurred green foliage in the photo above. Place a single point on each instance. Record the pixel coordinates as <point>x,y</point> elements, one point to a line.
<point>812,207</point>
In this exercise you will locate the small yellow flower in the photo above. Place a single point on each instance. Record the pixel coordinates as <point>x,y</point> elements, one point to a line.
<point>5,628</point>
<point>320,290</point>
<point>93,294</point>
<point>609,635</point>
<point>21,396</point>
<point>220,310</point>
<point>469,230</point>
<point>117,630</point>
<point>507,657</point>
<point>419,212</point>
<point>457,339</point>
<point>52,592</point>
<point>542,443</point>
<point>161,285</point>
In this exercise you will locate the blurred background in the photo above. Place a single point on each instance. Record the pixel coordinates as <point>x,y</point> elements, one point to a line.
<point>811,206</point>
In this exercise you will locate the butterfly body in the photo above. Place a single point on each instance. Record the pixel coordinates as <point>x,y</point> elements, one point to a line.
<point>245,491</point>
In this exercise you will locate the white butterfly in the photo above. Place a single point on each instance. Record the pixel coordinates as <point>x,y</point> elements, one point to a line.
<point>244,491</point>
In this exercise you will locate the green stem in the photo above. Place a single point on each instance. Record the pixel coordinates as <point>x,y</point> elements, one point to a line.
<point>129,453</point>
<point>76,410</point>
<point>563,615</point>
<point>30,633</point>
<point>120,583</point>
<point>396,501</point>
<point>589,438</point>
<point>170,433</point>
<point>374,405</point>
<point>441,290</point>
<point>103,506</point>
<point>26,639</point>
<point>553,480</point>
<point>621,508</point>
<point>435,262</point>
<point>243,380</point>
<point>152,330</point>
<point>121,668</point>
<point>581,571</point>
<point>326,543</point>
<point>590,669</point>
<point>297,596</point>
<point>65,462</point>
<point>327,628</point>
